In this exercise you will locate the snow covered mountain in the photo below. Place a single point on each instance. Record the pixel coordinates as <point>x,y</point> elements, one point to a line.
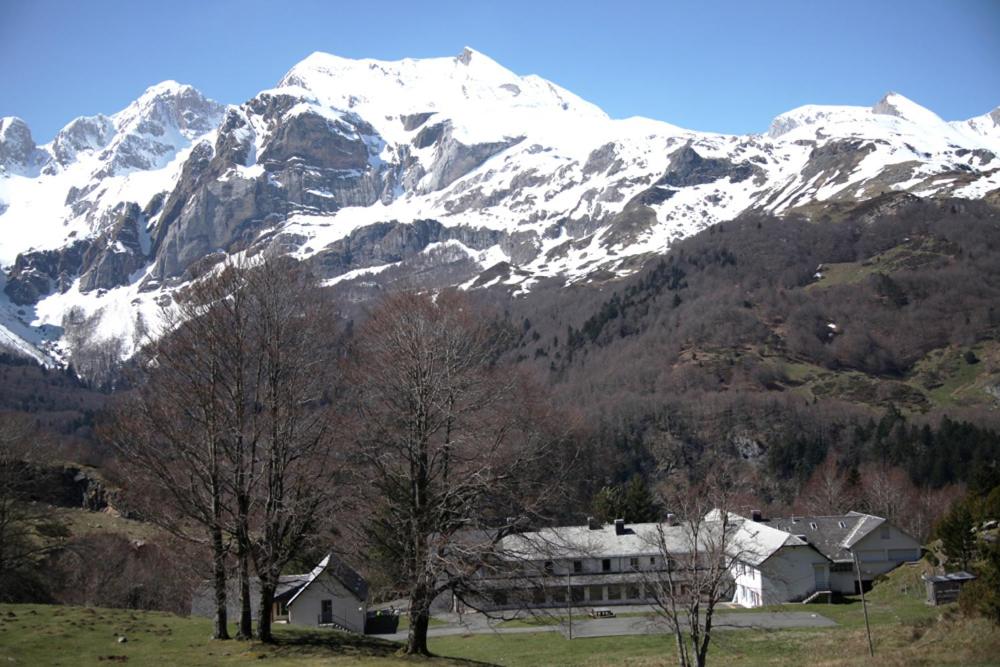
<point>441,171</point>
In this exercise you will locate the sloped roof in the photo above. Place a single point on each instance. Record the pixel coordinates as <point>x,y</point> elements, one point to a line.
<point>755,542</point>
<point>351,580</point>
<point>639,539</point>
<point>833,536</point>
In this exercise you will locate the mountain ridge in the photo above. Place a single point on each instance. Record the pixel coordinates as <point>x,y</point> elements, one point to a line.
<point>523,180</point>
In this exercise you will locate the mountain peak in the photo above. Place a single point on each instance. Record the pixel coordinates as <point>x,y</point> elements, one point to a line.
<point>894,104</point>
<point>168,87</point>
<point>16,143</point>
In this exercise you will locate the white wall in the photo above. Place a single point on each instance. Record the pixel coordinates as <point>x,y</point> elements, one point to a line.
<point>347,609</point>
<point>787,576</point>
<point>873,551</point>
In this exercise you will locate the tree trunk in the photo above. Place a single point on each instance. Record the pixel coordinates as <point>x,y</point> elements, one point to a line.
<point>264,611</point>
<point>420,614</point>
<point>245,630</point>
<point>221,630</point>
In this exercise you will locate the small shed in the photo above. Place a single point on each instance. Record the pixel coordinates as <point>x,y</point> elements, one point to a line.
<point>944,588</point>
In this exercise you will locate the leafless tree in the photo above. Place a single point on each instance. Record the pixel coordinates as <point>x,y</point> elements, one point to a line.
<point>699,551</point>
<point>827,490</point>
<point>454,452</point>
<point>21,547</point>
<point>227,418</point>
<point>298,462</point>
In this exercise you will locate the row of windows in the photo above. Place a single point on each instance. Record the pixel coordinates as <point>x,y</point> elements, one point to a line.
<point>634,564</point>
<point>579,594</point>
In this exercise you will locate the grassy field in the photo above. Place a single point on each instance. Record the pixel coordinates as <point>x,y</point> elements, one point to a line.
<point>48,635</point>
<point>906,632</point>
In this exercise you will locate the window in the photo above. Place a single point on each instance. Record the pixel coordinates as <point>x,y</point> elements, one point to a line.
<point>549,567</point>
<point>578,566</point>
<point>652,560</point>
<point>597,593</point>
<point>633,563</point>
<point>557,594</point>
<point>842,524</point>
<point>614,592</point>
<point>812,524</point>
<point>886,532</point>
<point>577,593</point>
<point>606,565</point>
<point>901,555</point>
<point>671,564</point>
<point>632,592</point>
<point>538,595</point>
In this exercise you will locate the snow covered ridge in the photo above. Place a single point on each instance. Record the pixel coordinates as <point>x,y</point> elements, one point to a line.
<point>452,169</point>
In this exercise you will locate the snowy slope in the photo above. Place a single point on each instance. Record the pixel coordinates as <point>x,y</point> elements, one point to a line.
<point>447,168</point>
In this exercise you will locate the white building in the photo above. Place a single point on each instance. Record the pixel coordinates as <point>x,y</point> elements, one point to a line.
<point>770,561</point>
<point>816,554</point>
<point>331,595</point>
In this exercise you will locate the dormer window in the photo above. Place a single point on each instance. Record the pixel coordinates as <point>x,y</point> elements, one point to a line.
<point>812,524</point>
<point>842,524</point>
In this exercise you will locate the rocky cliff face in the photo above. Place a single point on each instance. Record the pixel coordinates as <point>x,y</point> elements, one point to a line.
<point>445,171</point>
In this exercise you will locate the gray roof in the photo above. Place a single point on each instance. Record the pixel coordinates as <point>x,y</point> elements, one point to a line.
<point>748,541</point>
<point>832,536</point>
<point>351,580</point>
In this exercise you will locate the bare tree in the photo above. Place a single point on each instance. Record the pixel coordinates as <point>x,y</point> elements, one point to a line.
<point>453,451</point>
<point>827,490</point>
<point>698,550</point>
<point>297,467</point>
<point>21,546</point>
<point>227,429</point>
<point>169,434</point>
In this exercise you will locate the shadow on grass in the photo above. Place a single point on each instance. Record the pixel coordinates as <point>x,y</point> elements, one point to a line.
<point>311,642</point>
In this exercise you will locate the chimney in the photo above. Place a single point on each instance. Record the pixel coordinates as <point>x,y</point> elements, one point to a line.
<point>755,515</point>
<point>619,526</point>
<point>671,519</point>
<point>593,524</point>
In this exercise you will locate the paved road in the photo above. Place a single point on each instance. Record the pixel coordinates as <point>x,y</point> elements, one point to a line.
<point>472,624</point>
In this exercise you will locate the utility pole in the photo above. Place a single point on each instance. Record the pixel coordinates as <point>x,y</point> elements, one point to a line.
<point>569,602</point>
<point>864,604</point>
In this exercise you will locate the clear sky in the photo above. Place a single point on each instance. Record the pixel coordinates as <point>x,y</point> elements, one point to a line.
<point>718,66</point>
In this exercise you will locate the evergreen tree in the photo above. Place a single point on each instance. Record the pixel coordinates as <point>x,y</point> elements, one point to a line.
<point>955,532</point>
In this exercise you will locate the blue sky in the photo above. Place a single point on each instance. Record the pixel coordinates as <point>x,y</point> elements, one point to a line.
<point>719,66</point>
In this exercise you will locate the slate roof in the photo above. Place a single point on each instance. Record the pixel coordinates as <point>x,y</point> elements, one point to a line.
<point>832,536</point>
<point>351,580</point>
<point>751,542</point>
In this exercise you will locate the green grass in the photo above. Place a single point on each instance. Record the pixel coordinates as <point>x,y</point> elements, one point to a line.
<point>50,635</point>
<point>950,380</point>
<point>906,631</point>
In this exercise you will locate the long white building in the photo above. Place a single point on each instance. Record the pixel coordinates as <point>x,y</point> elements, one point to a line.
<point>770,561</point>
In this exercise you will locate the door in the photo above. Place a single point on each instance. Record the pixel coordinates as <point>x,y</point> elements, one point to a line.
<point>326,611</point>
<point>822,577</point>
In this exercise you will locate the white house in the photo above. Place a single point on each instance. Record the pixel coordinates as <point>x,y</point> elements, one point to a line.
<point>331,595</point>
<point>816,554</point>
<point>771,566</point>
